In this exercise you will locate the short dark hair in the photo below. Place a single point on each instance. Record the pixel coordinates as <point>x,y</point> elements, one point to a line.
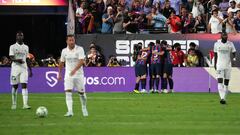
<point>174,12</point>
<point>192,44</point>
<point>70,35</point>
<point>176,45</point>
<point>158,41</point>
<point>19,31</point>
<point>164,42</point>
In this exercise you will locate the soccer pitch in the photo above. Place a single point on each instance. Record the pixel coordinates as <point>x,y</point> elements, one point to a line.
<point>124,114</point>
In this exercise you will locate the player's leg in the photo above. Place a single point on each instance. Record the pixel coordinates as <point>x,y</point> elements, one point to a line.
<point>227,75</point>
<point>220,76</point>
<point>68,87</point>
<point>165,78</point>
<point>23,81</point>
<point>137,74</point>
<point>14,80</point>
<point>143,83</point>
<point>152,77</point>
<point>158,74</point>
<point>79,83</point>
<point>170,80</point>
<point>136,89</point>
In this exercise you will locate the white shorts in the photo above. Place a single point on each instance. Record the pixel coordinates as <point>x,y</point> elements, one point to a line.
<point>74,83</point>
<point>225,73</point>
<point>18,76</point>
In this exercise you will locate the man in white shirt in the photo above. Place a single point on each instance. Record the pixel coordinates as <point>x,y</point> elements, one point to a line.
<point>222,53</point>
<point>215,23</point>
<point>73,57</point>
<point>19,70</point>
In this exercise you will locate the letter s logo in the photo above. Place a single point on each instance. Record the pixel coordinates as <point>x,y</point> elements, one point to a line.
<point>51,77</point>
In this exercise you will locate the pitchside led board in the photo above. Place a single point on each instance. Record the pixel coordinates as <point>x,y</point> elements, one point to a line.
<point>33,2</point>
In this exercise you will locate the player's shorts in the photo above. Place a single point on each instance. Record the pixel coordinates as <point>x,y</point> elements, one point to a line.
<point>74,84</point>
<point>140,70</point>
<point>225,74</point>
<point>168,69</point>
<point>18,76</point>
<point>156,69</point>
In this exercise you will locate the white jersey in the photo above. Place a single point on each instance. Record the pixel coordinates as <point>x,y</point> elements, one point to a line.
<point>224,51</point>
<point>71,59</point>
<point>216,25</point>
<point>19,52</point>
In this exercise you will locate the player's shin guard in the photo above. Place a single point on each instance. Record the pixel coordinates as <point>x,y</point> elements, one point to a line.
<point>14,96</point>
<point>69,101</point>
<point>136,86</point>
<point>157,83</point>
<point>221,90</point>
<point>170,81</point>
<point>143,83</point>
<point>25,97</point>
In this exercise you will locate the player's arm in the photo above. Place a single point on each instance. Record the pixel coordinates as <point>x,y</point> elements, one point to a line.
<point>79,65</point>
<point>29,67</point>
<point>61,66</point>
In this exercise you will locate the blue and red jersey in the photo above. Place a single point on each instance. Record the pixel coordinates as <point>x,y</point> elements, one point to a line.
<point>143,54</point>
<point>155,58</point>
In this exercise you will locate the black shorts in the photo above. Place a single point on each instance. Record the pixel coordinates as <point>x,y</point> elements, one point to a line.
<point>140,70</point>
<point>156,69</point>
<point>168,69</point>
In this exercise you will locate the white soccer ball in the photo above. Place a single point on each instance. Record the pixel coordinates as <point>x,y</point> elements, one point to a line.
<point>41,111</point>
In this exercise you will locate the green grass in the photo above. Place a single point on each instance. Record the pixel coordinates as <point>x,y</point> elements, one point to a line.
<point>125,114</point>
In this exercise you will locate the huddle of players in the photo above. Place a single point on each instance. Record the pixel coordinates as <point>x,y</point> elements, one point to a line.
<point>159,58</point>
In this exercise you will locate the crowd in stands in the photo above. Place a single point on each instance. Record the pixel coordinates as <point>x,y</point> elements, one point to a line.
<point>146,16</point>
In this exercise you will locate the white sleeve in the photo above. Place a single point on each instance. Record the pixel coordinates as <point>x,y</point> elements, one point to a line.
<point>11,52</point>
<point>210,21</point>
<point>81,53</point>
<point>233,48</point>
<point>215,47</point>
<point>27,50</point>
<point>62,58</point>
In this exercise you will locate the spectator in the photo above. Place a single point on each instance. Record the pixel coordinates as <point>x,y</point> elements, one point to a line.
<point>147,7</point>
<point>233,7</point>
<point>236,22</point>
<point>228,23</point>
<point>215,23</point>
<point>94,58</point>
<point>198,53</point>
<point>197,9</point>
<point>79,13</point>
<point>179,56</point>
<point>167,10</point>
<point>130,23</point>
<point>223,6</point>
<point>32,60</point>
<point>200,25</point>
<point>107,21</point>
<point>188,26</point>
<point>5,62</point>
<point>158,7</point>
<point>175,4</point>
<point>98,18</point>
<point>156,20</point>
<point>192,59</point>
<point>174,22</point>
<point>113,62</point>
<point>159,2</point>
<point>118,26</point>
<point>215,7</point>
<point>87,22</point>
<point>49,61</point>
<point>137,6</point>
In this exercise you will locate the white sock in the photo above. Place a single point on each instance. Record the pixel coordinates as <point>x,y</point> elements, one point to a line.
<point>225,91</point>
<point>14,96</point>
<point>83,99</point>
<point>69,102</point>
<point>25,96</point>
<point>220,90</point>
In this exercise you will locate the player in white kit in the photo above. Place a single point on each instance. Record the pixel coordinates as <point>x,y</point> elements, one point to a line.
<point>222,53</point>
<point>19,70</point>
<point>73,56</point>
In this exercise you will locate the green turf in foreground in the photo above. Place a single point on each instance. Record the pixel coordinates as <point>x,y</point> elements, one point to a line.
<point>125,114</point>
